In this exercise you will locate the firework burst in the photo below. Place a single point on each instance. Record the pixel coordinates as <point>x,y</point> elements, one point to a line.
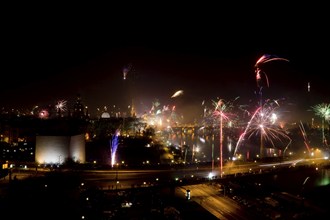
<point>44,114</point>
<point>61,106</point>
<point>323,111</point>
<point>260,75</point>
<point>263,123</point>
<point>223,108</point>
<point>222,111</point>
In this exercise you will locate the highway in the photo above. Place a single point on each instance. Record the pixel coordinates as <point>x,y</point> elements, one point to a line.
<point>204,189</point>
<point>210,199</point>
<point>126,178</point>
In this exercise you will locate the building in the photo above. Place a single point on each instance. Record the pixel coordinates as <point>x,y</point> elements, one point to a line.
<point>58,149</point>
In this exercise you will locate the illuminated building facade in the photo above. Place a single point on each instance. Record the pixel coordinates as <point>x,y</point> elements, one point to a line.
<point>58,149</point>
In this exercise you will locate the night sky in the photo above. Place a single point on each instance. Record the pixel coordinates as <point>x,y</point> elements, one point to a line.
<point>53,54</point>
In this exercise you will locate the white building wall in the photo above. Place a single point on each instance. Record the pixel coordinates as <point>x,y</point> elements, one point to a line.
<point>56,149</point>
<point>77,148</point>
<point>52,149</point>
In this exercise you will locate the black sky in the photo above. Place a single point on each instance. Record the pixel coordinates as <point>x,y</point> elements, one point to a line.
<point>209,51</point>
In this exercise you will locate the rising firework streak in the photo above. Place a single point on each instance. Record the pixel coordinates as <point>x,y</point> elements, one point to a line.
<point>177,93</point>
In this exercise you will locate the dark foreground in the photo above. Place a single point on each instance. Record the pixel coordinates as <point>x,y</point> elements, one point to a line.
<point>61,195</point>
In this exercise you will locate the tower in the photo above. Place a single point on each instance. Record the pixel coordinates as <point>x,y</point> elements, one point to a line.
<point>78,108</point>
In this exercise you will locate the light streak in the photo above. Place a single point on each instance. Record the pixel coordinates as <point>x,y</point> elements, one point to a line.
<point>126,70</point>
<point>177,93</point>
<point>221,109</point>
<point>114,146</point>
<point>262,123</point>
<point>303,132</point>
<point>267,58</point>
<point>262,60</point>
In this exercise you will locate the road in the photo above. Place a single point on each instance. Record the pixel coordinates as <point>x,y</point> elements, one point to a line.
<point>203,190</point>
<point>209,198</point>
<point>122,178</point>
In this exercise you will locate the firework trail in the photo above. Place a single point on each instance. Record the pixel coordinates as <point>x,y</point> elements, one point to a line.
<point>126,70</point>
<point>242,136</point>
<point>303,132</point>
<point>177,93</point>
<point>263,123</point>
<point>262,60</point>
<point>259,117</point>
<point>114,146</point>
<point>267,58</point>
<point>221,110</point>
